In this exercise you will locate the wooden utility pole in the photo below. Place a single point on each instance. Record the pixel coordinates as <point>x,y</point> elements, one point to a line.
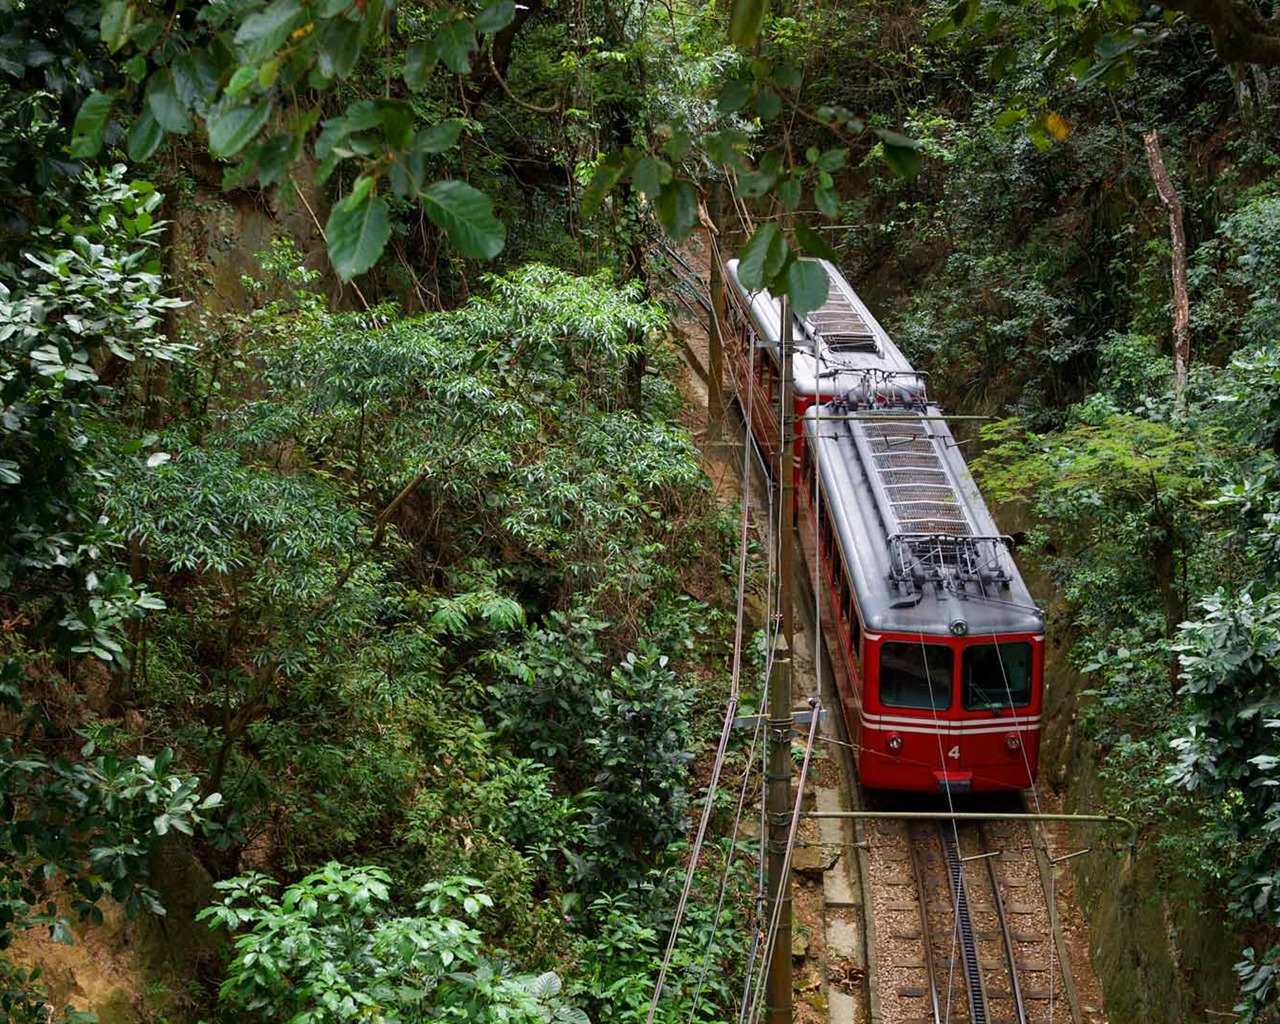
<point>715,368</point>
<point>778,995</point>
<point>1181,304</point>
<point>778,809</point>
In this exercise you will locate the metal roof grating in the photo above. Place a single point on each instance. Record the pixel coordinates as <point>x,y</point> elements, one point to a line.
<point>838,321</point>
<point>950,527</point>
<point>905,460</point>
<point>914,489</point>
<point>918,477</point>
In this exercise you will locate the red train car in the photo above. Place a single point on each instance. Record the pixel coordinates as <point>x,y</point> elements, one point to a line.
<point>824,343</point>
<point>941,643</point>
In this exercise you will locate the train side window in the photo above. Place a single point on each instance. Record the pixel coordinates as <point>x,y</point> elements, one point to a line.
<point>915,675</point>
<point>855,628</point>
<point>996,676</point>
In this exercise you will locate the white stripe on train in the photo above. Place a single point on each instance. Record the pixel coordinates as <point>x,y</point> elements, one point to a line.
<point>946,729</point>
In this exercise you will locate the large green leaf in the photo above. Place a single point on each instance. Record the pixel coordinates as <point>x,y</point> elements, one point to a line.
<point>467,217</point>
<point>745,20</point>
<point>649,175</point>
<point>607,174</point>
<point>806,285</point>
<point>339,48</point>
<point>397,122</point>
<point>452,45</point>
<point>261,34</point>
<point>813,243</point>
<point>145,137</point>
<point>117,21</point>
<point>91,122</point>
<point>439,137</point>
<point>827,201</point>
<point>1011,115</point>
<point>762,257</point>
<point>789,194</point>
<point>195,79</point>
<point>735,94</point>
<point>768,104</point>
<point>496,16</point>
<point>1003,62</point>
<point>900,153</point>
<point>233,125</point>
<point>417,66</point>
<point>728,147</point>
<point>357,231</point>
<point>677,208</point>
<point>165,106</point>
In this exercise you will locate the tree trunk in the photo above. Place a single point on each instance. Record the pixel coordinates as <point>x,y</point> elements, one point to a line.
<point>1181,304</point>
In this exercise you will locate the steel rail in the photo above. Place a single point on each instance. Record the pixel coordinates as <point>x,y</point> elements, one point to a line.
<point>1059,940</point>
<point>971,966</point>
<point>926,930</point>
<point>1015,986</point>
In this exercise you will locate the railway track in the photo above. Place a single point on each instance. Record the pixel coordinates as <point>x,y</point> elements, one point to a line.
<point>964,932</point>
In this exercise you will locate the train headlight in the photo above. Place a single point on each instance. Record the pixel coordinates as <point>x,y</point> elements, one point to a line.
<point>894,742</point>
<point>1013,741</point>
<point>959,627</point>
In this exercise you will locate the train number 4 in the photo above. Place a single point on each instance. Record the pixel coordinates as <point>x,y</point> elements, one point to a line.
<point>954,752</point>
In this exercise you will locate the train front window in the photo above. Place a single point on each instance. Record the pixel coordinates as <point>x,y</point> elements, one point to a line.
<point>915,676</point>
<point>996,676</point>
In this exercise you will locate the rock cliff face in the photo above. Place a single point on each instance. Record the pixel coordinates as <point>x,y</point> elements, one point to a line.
<point>1163,954</point>
<point>215,237</point>
<point>141,970</point>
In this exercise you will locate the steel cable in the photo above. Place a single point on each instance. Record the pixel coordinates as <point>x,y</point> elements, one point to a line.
<point>771,933</point>
<point>726,729</point>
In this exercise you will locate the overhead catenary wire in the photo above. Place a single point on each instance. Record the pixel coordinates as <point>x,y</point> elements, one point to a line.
<point>748,773</point>
<point>1035,826</point>
<point>731,710</point>
<point>727,872</point>
<point>955,828</point>
<point>771,933</point>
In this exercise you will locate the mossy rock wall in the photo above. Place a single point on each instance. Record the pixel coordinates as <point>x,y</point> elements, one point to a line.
<point>1161,952</point>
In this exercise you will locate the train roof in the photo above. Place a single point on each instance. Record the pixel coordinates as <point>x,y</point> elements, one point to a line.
<point>922,549</point>
<point>834,346</point>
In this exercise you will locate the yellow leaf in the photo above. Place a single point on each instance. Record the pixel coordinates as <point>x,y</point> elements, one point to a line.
<point>1057,126</point>
<point>298,33</point>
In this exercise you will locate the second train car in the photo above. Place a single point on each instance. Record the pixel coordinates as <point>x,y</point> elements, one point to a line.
<point>942,646</point>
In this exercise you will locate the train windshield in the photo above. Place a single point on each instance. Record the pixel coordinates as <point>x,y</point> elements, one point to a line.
<point>997,676</point>
<point>915,675</point>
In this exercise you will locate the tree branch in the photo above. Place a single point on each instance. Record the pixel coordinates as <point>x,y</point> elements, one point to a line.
<point>555,109</point>
<point>1178,265</point>
<point>1241,33</point>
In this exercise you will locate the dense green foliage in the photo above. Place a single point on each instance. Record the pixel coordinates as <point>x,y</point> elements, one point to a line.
<point>391,614</point>
<point>1039,285</point>
<point>416,613</point>
<point>1027,267</point>
<point>329,950</point>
